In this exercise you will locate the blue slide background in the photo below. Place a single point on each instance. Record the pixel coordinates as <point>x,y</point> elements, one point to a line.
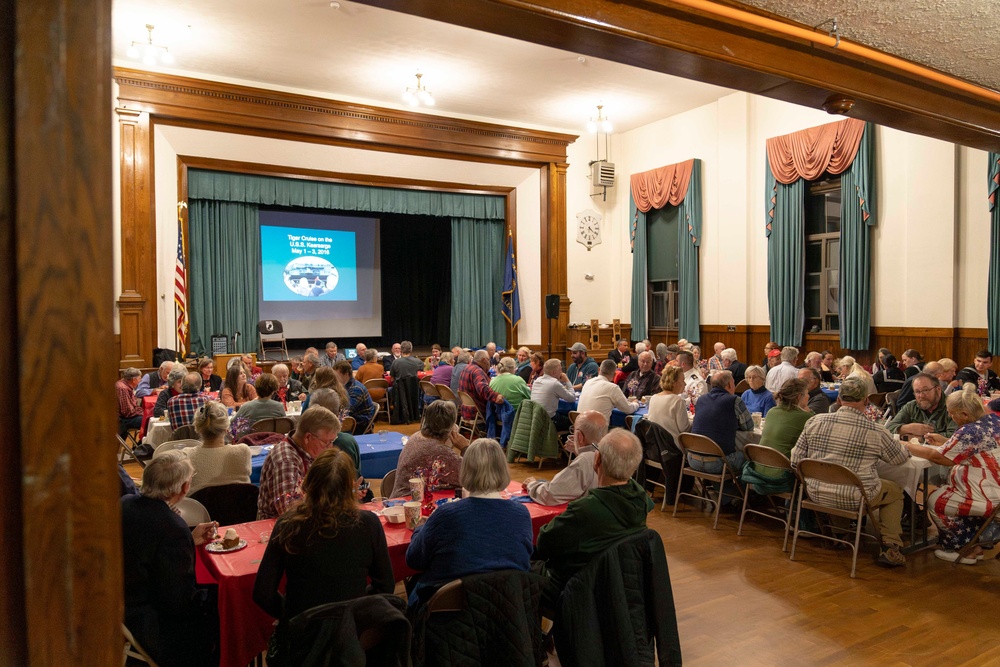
<point>276,253</point>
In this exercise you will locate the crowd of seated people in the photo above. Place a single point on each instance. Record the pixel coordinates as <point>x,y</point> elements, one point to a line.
<point>309,481</point>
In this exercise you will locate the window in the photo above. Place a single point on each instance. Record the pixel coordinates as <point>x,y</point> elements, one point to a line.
<point>661,267</point>
<point>663,304</point>
<point>822,236</point>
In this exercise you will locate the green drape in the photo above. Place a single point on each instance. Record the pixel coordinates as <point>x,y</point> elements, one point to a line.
<point>273,191</point>
<point>689,238</point>
<point>857,192</point>
<point>993,293</point>
<point>224,253</point>
<point>785,258</point>
<point>637,219</point>
<point>477,262</point>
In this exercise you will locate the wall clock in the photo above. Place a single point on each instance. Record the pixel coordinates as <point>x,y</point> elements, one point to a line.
<point>588,228</point>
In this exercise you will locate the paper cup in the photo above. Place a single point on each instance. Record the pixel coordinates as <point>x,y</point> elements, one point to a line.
<point>756,416</point>
<point>412,511</point>
<point>417,488</point>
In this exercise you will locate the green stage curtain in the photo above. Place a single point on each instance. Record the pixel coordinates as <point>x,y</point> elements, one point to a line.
<point>638,232</point>
<point>224,253</point>
<point>477,263</point>
<point>689,238</point>
<point>857,192</point>
<point>290,192</point>
<point>785,258</point>
<point>993,295</point>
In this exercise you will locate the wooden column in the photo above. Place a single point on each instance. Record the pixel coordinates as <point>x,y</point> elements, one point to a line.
<point>553,253</point>
<point>137,301</point>
<point>60,583</point>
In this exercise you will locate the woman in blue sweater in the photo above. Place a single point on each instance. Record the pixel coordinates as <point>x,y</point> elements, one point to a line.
<point>483,532</point>
<point>757,398</point>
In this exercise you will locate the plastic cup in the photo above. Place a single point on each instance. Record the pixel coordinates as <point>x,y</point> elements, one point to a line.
<point>411,510</point>
<point>265,537</point>
<point>378,504</point>
<point>381,435</point>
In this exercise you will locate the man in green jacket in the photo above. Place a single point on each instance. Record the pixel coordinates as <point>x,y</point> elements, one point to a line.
<point>926,415</point>
<point>615,509</point>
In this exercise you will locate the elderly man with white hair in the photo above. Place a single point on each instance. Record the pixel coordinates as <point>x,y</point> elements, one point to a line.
<point>359,358</point>
<point>786,370</point>
<point>289,389</point>
<point>155,381</point>
<point>732,364</point>
<point>576,479</point>
<point>643,381</point>
<point>603,395</point>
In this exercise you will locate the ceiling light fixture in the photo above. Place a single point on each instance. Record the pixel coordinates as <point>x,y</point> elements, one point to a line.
<point>419,95</point>
<point>602,123</point>
<point>148,52</point>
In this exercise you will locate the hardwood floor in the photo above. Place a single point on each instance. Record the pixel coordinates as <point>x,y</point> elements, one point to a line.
<point>740,601</point>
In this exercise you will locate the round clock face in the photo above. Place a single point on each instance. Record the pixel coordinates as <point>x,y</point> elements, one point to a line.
<point>588,228</point>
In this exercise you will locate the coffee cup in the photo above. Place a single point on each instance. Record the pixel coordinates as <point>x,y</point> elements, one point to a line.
<point>756,416</point>
<point>417,489</point>
<point>411,510</point>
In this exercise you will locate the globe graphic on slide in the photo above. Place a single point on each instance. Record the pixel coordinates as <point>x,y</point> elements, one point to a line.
<point>310,276</point>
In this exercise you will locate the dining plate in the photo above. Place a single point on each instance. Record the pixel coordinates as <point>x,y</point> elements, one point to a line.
<point>217,548</point>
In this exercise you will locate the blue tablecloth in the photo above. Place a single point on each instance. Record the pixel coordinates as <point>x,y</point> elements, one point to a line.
<point>377,457</point>
<point>832,394</point>
<point>617,416</point>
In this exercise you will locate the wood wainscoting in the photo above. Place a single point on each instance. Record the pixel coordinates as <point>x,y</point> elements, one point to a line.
<point>958,343</point>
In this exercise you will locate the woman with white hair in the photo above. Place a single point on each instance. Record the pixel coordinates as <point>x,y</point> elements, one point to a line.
<point>849,367</point>
<point>509,384</point>
<point>173,619</point>
<point>757,398</point>
<point>483,532</point>
<point>972,492</point>
<point>173,388</point>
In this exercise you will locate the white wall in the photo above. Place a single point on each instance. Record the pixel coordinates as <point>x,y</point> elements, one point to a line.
<point>929,248</point>
<point>173,141</point>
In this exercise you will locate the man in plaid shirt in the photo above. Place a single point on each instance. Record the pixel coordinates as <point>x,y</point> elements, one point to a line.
<point>181,408</point>
<point>476,383</point>
<point>848,438</point>
<point>129,410</point>
<point>286,466</point>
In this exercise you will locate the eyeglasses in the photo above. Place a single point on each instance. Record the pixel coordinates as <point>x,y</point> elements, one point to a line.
<point>925,391</point>
<point>326,443</point>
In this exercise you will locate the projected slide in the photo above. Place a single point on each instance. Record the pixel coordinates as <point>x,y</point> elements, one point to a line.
<point>301,264</point>
<point>319,273</point>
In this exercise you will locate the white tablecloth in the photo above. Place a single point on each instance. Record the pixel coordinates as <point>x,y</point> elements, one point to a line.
<point>159,432</point>
<point>907,475</point>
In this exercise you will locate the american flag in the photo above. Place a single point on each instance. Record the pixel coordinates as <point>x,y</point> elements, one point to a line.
<point>180,284</point>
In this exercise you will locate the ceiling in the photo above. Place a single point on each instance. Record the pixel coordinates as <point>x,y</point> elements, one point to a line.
<point>366,54</point>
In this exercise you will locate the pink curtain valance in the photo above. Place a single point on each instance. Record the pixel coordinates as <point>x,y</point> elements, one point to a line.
<point>811,152</point>
<point>661,186</point>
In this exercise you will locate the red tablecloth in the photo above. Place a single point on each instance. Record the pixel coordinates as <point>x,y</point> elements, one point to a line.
<point>244,627</point>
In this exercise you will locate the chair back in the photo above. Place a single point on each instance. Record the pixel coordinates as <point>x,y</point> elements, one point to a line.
<point>700,444</point>
<point>573,414</point>
<point>742,387</point>
<point>174,445</point>
<point>133,650</point>
<point>445,392</point>
<point>186,432</point>
<point>376,383</point>
<point>192,511</point>
<point>371,422</point>
<point>259,439</point>
<point>379,633</point>
<point>270,328</point>
<point>878,400</point>
<point>766,456</point>
<point>347,425</point>
<point>890,400</point>
<point>273,425</point>
<point>229,504</point>
<point>829,473</point>
<point>450,597</point>
<point>388,484</point>
<point>429,388</point>
<point>467,400</point>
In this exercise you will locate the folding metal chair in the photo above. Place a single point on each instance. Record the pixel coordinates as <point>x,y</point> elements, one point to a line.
<point>273,425</point>
<point>472,425</point>
<point>994,520</point>
<point>383,403</point>
<point>831,473</point>
<point>701,445</point>
<point>775,460</point>
<point>133,650</point>
<point>271,331</point>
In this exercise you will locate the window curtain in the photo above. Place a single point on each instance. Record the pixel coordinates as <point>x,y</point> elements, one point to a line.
<point>993,294</point>
<point>857,192</point>
<point>639,277</point>
<point>228,258</point>
<point>793,159</point>
<point>224,251</point>
<point>675,185</point>
<point>477,259</point>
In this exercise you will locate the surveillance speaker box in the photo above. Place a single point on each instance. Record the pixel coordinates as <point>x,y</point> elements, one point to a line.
<point>602,174</point>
